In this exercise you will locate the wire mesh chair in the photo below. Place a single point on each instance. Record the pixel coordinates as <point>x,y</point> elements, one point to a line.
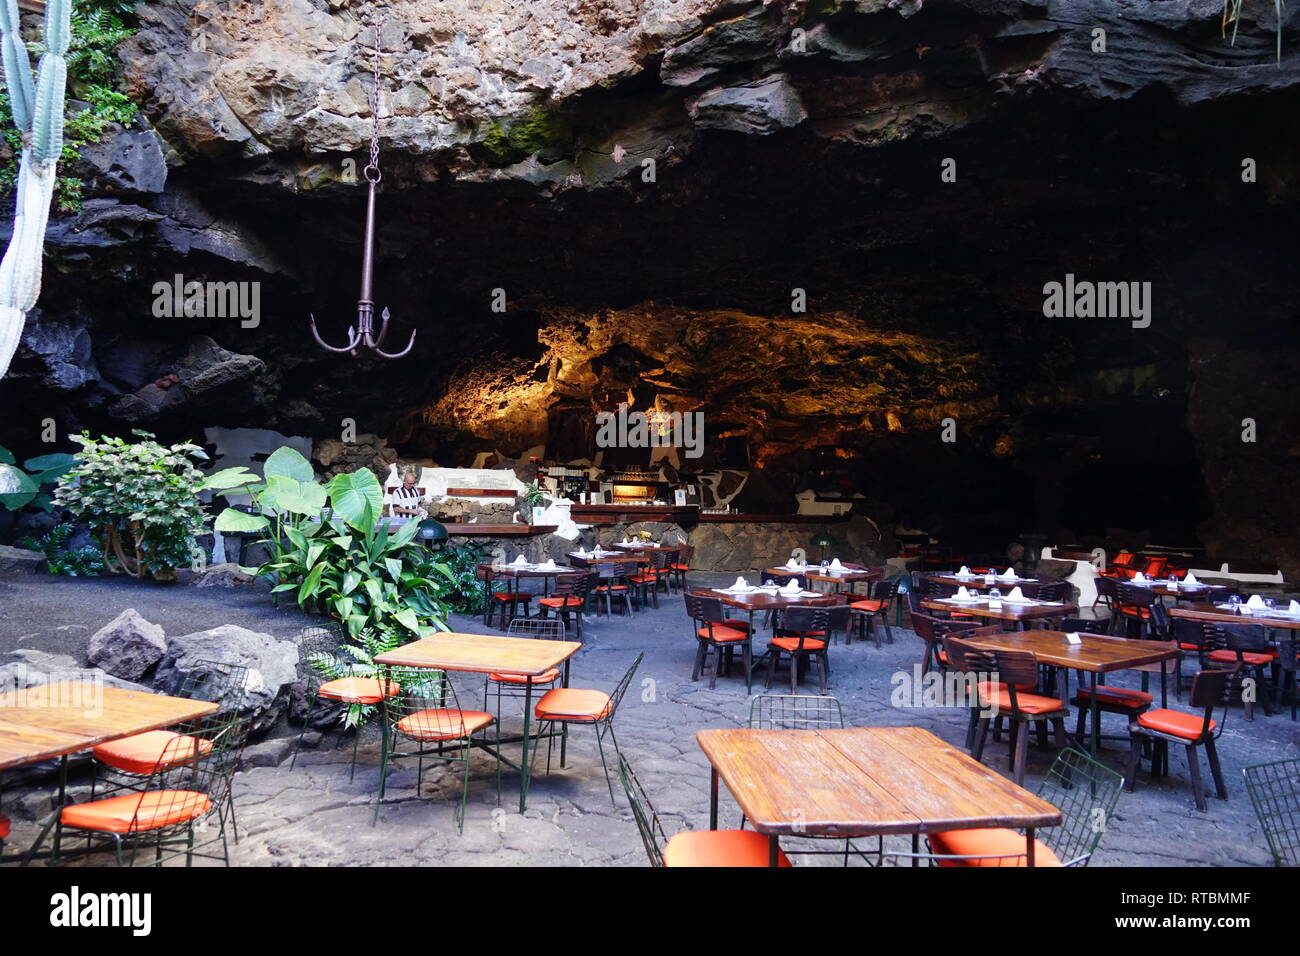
<point>421,717</point>
<point>188,786</point>
<point>355,689</point>
<point>1274,790</point>
<point>128,762</point>
<point>691,847</point>
<point>513,685</point>
<point>795,712</point>
<point>571,705</point>
<point>1085,791</point>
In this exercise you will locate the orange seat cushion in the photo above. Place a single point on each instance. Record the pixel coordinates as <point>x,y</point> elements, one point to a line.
<point>602,588</point>
<point>443,723</point>
<point>645,577</point>
<point>719,848</point>
<point>680,567</point>
<point>996,694</point>
<point>1129,610</point>
<point>943,656</point>
<point>572,703</point>
<point>142,753</point>
<point>996,842</point>
<point>723,634</point>
<point>137,812</point>
<point>792,643</point>
<point>512,595</point>
<point>544,678</point>
<point>1175,722</point>
<point>4,827</point>
<point>569,600</point>
<point>1115,697</point>
<point>1248,657</point>
<point>358,690</point>
<point>1184,646</point>
<point>871,604</point>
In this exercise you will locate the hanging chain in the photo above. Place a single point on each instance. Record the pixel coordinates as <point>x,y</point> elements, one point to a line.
<point>372,172</point>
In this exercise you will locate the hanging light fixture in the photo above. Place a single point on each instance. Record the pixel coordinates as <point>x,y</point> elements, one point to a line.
<point>363,333</point>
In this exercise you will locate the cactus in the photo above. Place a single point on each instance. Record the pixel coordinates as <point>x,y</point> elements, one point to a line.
<point>38,114</point>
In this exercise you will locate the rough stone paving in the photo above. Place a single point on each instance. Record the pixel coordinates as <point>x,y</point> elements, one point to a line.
<point>313,815</point>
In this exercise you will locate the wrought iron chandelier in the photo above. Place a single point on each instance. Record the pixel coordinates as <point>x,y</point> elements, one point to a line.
<point>363,333</point>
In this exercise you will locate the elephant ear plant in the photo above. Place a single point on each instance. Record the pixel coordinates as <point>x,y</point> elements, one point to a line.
<point>329,550</point>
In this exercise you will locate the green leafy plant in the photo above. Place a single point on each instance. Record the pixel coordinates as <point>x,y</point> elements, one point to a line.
<point>454,572</point>
<point>533,495</point>
<point>23,487</point>
<point>328,548</point>
<point>142,499</point>
<point>85,562</point>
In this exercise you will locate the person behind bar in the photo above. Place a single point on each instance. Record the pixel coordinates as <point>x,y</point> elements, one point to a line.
<point>405,498</point>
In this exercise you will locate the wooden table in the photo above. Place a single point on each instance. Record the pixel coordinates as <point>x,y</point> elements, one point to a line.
<point>56,720</point>
<point>764,601</point>
<point>978,582</point>
<point>1016,613</point>
<point>864,781</point>
<point>517,572</point>
<point>850,575</point>
<point>1096,655</point>
<point>1233,617</point>
<point>490,654</point>
<point>619,557</point>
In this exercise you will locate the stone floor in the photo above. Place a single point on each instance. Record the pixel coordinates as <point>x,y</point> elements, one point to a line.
<point>313,814</point>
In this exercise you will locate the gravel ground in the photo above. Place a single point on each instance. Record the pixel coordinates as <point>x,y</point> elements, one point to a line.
<point>313,814</point>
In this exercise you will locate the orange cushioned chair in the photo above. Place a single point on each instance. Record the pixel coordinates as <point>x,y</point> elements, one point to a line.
<point>569,599</point>
<point>573,705</point>
<point>722,848</point>
<point>718,635</point>
<point>1085,792</point>
<point>873,607</point>
<point>1164,726</point>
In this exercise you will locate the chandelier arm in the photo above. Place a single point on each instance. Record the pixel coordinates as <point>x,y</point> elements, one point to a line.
<point>353,338</point>
<point>396,355</point>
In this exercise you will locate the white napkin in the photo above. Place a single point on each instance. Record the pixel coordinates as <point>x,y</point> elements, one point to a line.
<point>835,563</point>
<point>1017,597</point>
<point>740,585</point>
<point>549,565</point>
<point>625,541</point>
<point>792,564</point>
<point>792,587</point>
<point>1255,603</point>
<point>521,561</point>
<point>1139,578</point>
<point>582,553</point>
<point>1190,580</point>
<point>1294,608</point>
<point>1008,575</point>
<point>962,594</point>
<point>963,572</point>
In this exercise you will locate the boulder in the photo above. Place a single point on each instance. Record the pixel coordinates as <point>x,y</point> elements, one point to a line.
<point>227,575</point>
<point>127,646</point>
<point>35,668</point>
<point>20,561</point>
<point>764,107</point>
<point>272,666</point>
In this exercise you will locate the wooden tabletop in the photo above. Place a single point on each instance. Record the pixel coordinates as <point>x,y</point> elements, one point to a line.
<point>482,654</point>
<point>1232,617</point>
<point>1097,654</point>
<point>978,581</point>
<point>865,780</point>
<point>514,571</point>
<point>1008,611</point>
<point>64,718</point>
<point>766,600</point>
<point>815,573</point>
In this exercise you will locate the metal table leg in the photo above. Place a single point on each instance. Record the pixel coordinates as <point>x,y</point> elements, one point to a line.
<point>713,799</point>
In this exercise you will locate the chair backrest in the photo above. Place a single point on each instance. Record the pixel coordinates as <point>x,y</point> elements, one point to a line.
<point>1155,567</point>
<point>803,619</point>
<point>1200,634</point>
<point>1209,689</point>
<point>643,812</point>
<point>885,590</point>
<point>1274,790</point>
<point>1086,792</point>
<point>693,605</point>
<point>782,578</point>
<point>1051,591</point>
<point>794,712</point>
<point>217,682</point>
<point>1016,668</point>
<point>575,583</point>
<point>542,628</point>
<point>707,610</point>
<point>1107,588</point>
<point>966,658</point>
<point>1123,560</point>
<point>434,698</point>
<point>1245,638</point>
<point>1134,595</point>
<point>616,696</point>
<point>184,768</point>
<point>1288,649</point>
<point>838,617</point>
